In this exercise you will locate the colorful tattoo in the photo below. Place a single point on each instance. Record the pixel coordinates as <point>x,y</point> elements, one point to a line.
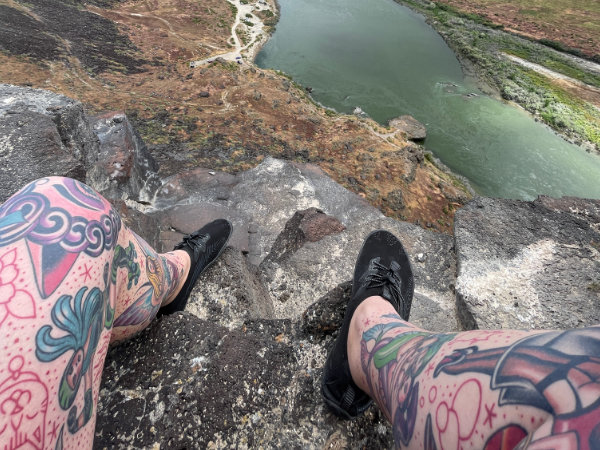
<point>53,221</point>
<point>163,276</point>
<point>125,258</point>
<point>83,322</point>
<point>83,318</point>
<point>54,237</point>
<point>553,372</point>
<point>399,359</point>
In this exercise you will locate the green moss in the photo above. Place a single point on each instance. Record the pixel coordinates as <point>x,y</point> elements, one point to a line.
<point>444,8</point>
<point>283,74</point>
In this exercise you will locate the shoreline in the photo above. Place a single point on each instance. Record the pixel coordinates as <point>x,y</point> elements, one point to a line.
<point>255,26</point>
<point>336,115</point>
<point>513,83</point>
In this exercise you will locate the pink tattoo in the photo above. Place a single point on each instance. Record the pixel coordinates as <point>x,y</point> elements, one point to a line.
<point>454,427</point>
<point>490,415</point>
<point>13,302</point>
<point>23,405</point>
<point>85,272</point>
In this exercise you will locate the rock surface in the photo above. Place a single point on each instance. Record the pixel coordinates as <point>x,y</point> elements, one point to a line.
<point>42,134</point>
<point>124,167</point>
<point>241,366</point>
<point>411,127</point>
<point>528,264</point>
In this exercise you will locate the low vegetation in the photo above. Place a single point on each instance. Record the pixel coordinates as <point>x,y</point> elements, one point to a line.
<point>569,108</point>
<point>571,26</point>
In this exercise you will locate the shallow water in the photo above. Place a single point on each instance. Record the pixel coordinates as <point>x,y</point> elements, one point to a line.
<point>384,58</point>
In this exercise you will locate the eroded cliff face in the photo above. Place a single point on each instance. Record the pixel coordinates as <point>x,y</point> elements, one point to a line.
<point>135,56</point>
<point>242,365</point>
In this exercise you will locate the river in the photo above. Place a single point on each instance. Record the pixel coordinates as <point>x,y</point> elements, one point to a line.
<point>383,57</point>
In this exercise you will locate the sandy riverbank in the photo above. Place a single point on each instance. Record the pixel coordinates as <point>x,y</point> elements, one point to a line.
<point>248,32</point>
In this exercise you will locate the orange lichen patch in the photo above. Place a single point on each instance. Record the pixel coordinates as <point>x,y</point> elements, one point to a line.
<point>433,198</point>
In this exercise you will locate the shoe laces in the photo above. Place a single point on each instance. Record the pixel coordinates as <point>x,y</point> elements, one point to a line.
<point>388,278</point>
<point>195,242</point>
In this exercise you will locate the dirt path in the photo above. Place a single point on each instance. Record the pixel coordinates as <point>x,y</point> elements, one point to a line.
<point>102,12</point>
<point>585,91</point>
<point>255,34</point>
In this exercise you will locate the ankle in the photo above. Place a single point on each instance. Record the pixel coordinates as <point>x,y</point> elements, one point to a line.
<point>183,262</point>
<point>367,314</point>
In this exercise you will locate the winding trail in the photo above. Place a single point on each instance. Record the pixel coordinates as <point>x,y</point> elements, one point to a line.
<point>256,33</point>
<point>593,92</point>
<point>102,12</point>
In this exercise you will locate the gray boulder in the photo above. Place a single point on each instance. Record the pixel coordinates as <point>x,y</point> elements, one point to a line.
<point>410,127</point>
<point>42,134</point>
<point>258,202</point>
<point>528,264</point>
<point>124,167</point>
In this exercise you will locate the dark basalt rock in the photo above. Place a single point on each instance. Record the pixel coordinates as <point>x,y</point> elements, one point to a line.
<point>324,317</point>
<point>196,383</point>
<point>230,292</point>
<point>42,134</point>
<point>310,225</point>
<point>124,166</point>
<point>41,29</point>
<point>189,383</point>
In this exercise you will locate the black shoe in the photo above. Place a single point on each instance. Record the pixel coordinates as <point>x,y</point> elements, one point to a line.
<point>203,246</point>
<point>382,269</point>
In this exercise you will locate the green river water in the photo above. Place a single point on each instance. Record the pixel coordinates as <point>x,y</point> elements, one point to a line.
<point>384,58</point>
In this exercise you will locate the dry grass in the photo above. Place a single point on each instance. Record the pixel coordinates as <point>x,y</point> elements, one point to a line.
<point>572,23</point>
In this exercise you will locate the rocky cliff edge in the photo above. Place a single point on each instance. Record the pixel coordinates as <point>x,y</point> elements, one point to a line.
<point>241,366</point>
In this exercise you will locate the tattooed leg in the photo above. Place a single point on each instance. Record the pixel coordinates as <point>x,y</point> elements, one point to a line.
<point>478,389</point>
<point>72,279</point>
